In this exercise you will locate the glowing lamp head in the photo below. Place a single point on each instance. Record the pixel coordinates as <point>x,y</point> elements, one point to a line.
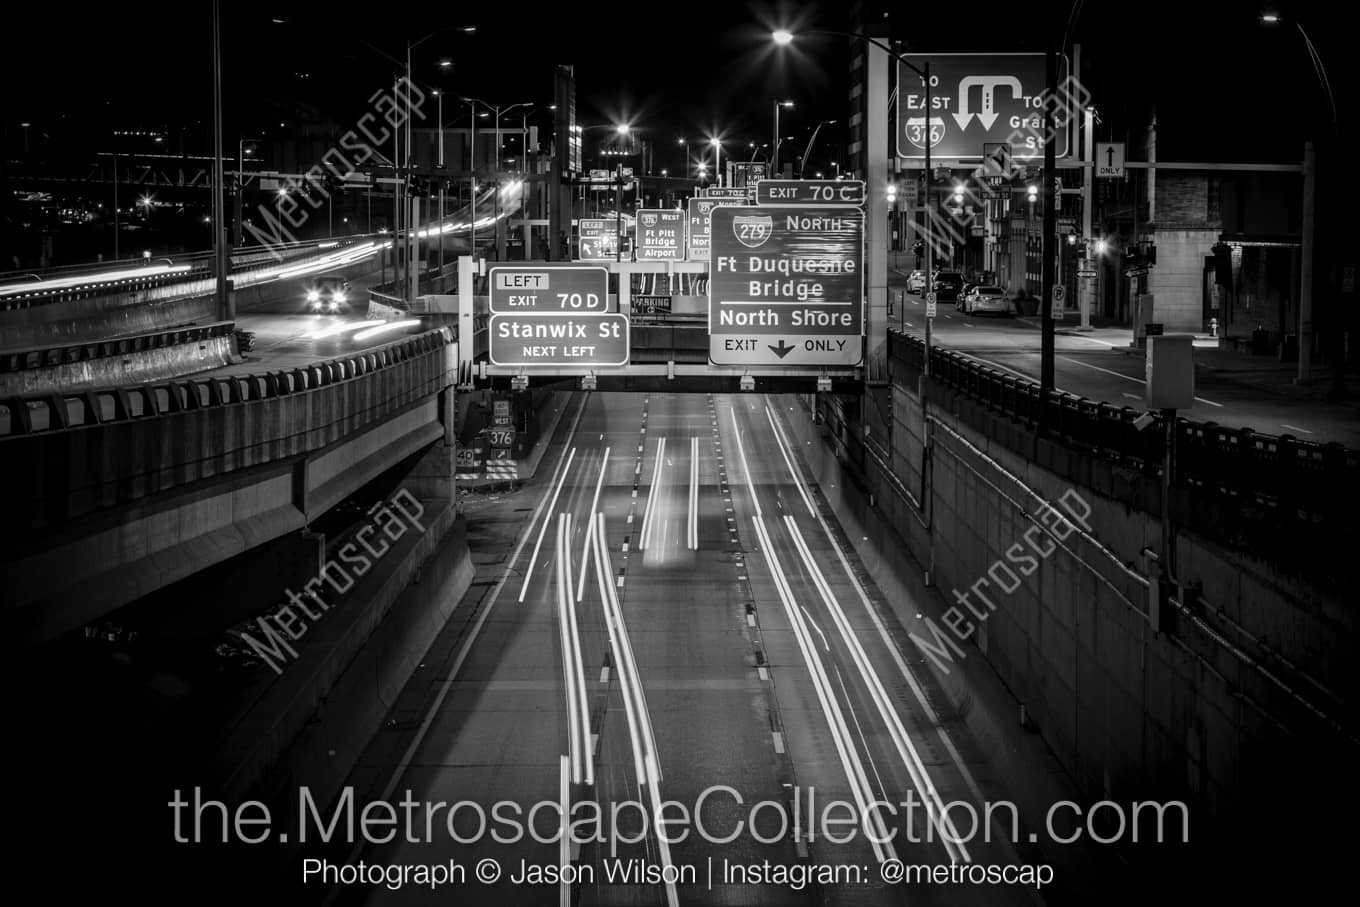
<point>782,37</point>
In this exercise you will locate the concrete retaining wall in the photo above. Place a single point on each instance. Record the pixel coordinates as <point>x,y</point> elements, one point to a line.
<point>1130,713</point>
<point>311,722</point>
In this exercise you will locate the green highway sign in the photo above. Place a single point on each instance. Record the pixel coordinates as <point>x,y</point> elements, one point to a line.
<point>786,286</point>
<point>660,234</point>
<point>810,192</point>
<point>587,341</point>
<point>548,288</point>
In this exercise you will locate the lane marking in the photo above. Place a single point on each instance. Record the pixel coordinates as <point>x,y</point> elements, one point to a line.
<point>745,467</point>
<point>694,494</point>
<point>917,691</point>
<point>1124,376</point>
<point>653,490</point>
<point>778,742</point>
<point>585,544</point>
<point>906,750</point>
<point>471,638</point>
<point>533,558</point>
<point>831,710</point>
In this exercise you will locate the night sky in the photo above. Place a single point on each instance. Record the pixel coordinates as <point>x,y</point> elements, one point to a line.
<point>1225,88</point>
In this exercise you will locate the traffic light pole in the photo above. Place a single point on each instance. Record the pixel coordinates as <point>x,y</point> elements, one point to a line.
<point>1046,377</point>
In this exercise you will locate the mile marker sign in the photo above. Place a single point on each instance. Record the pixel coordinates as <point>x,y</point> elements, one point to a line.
<point>786,286</point>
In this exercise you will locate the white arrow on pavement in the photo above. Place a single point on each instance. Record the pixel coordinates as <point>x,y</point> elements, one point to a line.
<point>987,115</point>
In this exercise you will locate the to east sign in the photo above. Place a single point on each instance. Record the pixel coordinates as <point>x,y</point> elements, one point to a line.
<point>977,99</point>
<point>660,234</point>
<point>810,192</point>
<point>584,341</point>
<point>555,288</point>
<point>786,286</point>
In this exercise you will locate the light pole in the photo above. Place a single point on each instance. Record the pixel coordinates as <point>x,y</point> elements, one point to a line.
<point>802,165</point>
<point>400,188</point>
<point>1307,239</point>
<point>717,160</point>
<point>784,37</point>
<point>774,146</point>
<point>224,307</point>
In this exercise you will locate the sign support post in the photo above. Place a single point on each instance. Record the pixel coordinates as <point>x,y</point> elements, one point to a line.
<point>1046,379</point>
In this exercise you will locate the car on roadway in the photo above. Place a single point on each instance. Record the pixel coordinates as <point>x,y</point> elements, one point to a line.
<point>328,294</point>
<point>947,285</point>
<point>985,298</point>
<point>916,282</point>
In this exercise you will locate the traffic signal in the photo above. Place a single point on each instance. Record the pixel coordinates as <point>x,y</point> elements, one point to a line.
<point>1032,192</point>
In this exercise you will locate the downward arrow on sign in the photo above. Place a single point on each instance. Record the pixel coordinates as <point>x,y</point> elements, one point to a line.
<point>782,350</point>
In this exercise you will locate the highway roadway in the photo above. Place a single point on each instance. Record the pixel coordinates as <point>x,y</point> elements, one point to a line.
<point>1095,367</point>
<point>710,635</point>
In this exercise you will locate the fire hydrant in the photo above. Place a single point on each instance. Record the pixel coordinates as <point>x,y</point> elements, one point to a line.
<point>1213,327</point>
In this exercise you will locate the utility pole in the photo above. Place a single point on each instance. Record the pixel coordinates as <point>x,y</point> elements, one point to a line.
<point>1307,256</point>
<point>618,211</point>
<point>224,306</point>
<point>1046,377</point>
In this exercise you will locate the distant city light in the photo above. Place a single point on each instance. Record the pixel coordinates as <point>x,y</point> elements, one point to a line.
<point>782,36</point>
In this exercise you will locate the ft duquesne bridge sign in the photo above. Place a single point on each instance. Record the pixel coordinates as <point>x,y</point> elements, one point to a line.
<point>786,286</point>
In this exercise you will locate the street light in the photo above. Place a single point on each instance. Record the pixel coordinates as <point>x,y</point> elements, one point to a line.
<point>808,150</point>
<point>774,148</point>
<point>1306,240</point>
<point>717,160</point>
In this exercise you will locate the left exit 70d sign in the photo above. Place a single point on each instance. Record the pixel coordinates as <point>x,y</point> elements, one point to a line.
<point>555,288</point>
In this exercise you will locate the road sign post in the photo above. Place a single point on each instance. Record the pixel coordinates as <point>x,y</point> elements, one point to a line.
<point>787,286</point>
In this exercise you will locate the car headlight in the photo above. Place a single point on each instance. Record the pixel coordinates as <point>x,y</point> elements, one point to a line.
<point>313,295</point>
<point>339,297</point>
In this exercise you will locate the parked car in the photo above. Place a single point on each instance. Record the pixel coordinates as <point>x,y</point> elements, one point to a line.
<point>916,282</point>
<point>987,299</point>
<point>947,285</point>
<point>328,294</point>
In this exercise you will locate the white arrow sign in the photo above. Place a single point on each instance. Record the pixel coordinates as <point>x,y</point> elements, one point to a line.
<point>987,116</point>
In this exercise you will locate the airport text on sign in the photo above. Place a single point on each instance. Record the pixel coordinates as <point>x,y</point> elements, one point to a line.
<point>660,234</point>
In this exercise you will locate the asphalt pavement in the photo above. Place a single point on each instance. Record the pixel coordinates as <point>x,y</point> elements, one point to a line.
<point>723,652</point>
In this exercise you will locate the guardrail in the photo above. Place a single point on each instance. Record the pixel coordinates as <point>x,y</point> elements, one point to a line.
<point>1317,478</point>
<point>51,356</point>
<point>53,413</point>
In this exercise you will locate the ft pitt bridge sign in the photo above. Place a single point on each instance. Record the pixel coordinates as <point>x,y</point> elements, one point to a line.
<point>786,284</point>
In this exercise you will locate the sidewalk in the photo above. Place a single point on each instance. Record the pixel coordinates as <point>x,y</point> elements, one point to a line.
<point>1235,366</point>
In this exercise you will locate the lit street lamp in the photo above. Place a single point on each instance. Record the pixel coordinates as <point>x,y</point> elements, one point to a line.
<point>717,160</point>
